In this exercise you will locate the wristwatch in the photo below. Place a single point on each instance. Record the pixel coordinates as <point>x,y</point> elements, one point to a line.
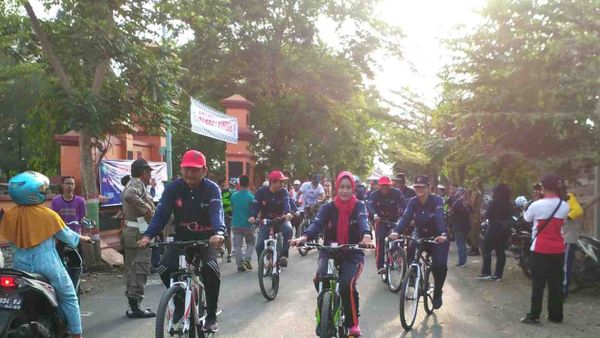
<point>220,233</point>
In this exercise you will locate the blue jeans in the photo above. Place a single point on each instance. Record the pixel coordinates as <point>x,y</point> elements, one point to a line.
<point>263,233</point>
<point>569,255</point>
<point>461,247</point>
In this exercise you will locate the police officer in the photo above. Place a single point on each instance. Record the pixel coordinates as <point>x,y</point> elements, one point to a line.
<point>386,204</point>
<point>195,202</point>
<point>273,202</point>
<point>138,209</point>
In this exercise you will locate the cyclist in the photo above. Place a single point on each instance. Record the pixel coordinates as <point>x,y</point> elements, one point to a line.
<point>33,229</point>
<point>343,221</point>
<point>195,202</point>
<point>312,192</point>
<point>400,184</point>
<point>385,204</point>
<point>427,210</point>
<point>273,202</point>
<point>361,189</point>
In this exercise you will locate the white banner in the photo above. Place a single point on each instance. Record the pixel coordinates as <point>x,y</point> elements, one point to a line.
<point>209,122</point>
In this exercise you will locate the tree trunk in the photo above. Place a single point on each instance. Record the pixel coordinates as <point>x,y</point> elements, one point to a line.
<point>91,252</point>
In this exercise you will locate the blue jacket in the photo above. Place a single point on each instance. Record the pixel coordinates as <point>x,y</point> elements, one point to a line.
<point>326,222</point>
<point>387,206</point>
<point>270,204</point>
<point>200,208</point>
<point>428,217</point>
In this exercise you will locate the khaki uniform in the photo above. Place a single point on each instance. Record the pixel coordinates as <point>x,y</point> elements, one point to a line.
<point>477,204</point>
<point>136,202</point>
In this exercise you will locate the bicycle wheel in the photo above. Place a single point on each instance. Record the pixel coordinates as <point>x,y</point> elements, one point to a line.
<point>167,314</point>
<point>427,290</point>
<point>409,298</point>
<point>396,268</point>
<point>326,319</point>
<point>302,250</point>
<point>268,276</point>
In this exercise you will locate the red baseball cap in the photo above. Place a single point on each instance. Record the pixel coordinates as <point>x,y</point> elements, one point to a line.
<point>384,180</point>
<point>276,175</point>
<point>193,159</point>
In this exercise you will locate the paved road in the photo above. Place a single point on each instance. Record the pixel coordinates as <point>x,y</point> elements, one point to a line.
<point>471,308</point>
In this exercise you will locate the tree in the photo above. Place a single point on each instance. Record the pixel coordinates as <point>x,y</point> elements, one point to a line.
<point>105,58</point>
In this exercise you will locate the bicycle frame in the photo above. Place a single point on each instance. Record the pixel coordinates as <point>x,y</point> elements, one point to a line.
<point>273,241</point>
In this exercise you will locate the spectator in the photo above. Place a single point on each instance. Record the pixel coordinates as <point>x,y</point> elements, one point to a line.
<point>499,215</point>
<point>241,202</point>
<point>548,215</point>
<point>571,232</point>
<point>69,206</point>
<point>476,203</point>
<point>461,212</point>
<point>226,198</point>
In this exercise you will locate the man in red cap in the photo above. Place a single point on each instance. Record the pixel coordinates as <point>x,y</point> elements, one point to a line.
<point>195,202</point>
<point>385,204</point>
<point>273,202</point>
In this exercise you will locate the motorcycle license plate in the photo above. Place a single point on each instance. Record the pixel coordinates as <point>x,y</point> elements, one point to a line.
<point>11,302</point>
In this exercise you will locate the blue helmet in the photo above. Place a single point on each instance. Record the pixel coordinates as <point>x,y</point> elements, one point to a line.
<point>28,188</point>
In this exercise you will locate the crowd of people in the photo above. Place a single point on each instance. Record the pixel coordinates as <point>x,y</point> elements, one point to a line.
<point>349,212</point>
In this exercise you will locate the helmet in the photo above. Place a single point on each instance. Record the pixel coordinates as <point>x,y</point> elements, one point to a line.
<point>356,178</point>
<point>233,181</point>
<point>28,188</point>
<point>521,201</point>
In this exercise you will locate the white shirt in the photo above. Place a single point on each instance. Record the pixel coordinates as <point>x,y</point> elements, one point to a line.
<point>550,240</point>
<point>310,193</point>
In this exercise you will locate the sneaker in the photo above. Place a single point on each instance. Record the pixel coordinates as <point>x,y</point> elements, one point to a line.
<point>530,320</point>
<point>241,268</point>
<point>354,331</point>
<point>247,265</point>
<point>461,265</point>
<point>496,279</point>
<point>283,262</point>
<point>484,277</point>
<point>437,302</point>
<point>228,258</point>
<point>381,271</point>
<point>211,325</point>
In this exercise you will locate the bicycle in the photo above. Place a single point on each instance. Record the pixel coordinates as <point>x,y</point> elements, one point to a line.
<point>187,293</point>
<point>330,310</point>
<point>416,284</point>
<point>310,213</point>
<point>268,261</point>
<point>394,260</point>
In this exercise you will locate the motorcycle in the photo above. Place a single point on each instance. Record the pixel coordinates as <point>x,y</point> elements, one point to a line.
<point>519,243</point>
<point>585,272</point>
<point>28,302</point>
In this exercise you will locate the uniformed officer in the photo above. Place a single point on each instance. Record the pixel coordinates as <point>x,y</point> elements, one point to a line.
<point>138,209</point>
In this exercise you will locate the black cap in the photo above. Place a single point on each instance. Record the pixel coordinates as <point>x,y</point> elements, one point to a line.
<point>400,177</point>
<point>421,181</point>
<point>551,182</point>
<point>138,166</point>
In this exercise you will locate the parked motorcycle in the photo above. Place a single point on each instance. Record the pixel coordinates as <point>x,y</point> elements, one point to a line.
<point>28,303</point>
<point>585,272</point>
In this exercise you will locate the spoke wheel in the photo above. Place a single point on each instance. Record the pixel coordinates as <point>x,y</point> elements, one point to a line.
<point>427,290</point>
<point>268,276</point>
<point>396,269</point>
<point>326,316</point>
<point>167,314</point>
<point>409,299</point>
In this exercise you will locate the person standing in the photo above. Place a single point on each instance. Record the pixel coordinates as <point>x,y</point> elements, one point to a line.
<point>461,213</point>
<point>241,202</point>
<point>476,203</point>
<point>499,214</point>
<point>70,207</point>
<point>571,232</point>
<point>548,215</point>
<point>226,198</point>
<point>138,209</point>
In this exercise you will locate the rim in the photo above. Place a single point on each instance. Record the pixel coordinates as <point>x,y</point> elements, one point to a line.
<point>411,298</point>
<point>269,278</point>
<point>395,271</point>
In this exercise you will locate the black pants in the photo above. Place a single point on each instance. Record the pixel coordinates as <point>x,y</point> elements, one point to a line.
<point>211,275</point>
<point>495,241</point>
<point>547,268</point>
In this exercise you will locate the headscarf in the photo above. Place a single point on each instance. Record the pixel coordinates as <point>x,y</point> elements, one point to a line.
<point>29,225</point>
<point>344,208</point>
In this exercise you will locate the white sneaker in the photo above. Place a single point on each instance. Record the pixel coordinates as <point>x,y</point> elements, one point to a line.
<point>484,277</point>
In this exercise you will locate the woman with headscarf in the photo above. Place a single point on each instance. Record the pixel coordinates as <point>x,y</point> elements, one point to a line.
<point>499,215</point>
<point>34,229</point>
<point>461,213</point>
<point>343,221</point>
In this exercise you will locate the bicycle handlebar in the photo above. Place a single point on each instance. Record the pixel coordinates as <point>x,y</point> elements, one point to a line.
<point>423,240</point>
<point>341,246</point>
<point>202,243</point>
